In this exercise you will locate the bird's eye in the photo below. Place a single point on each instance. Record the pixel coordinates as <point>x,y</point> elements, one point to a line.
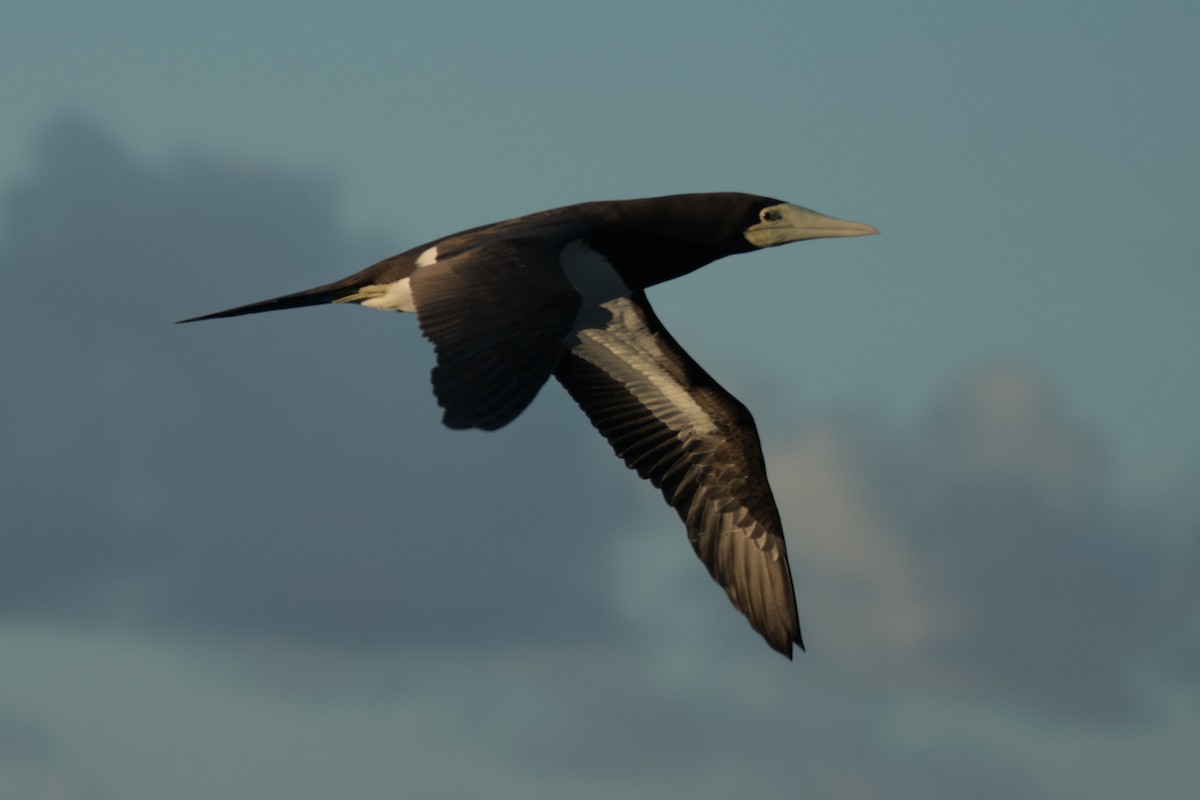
<point>770,215</point>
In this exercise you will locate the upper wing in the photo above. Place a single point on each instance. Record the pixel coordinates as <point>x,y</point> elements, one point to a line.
<point>677,427</point>
<point>497,314</point>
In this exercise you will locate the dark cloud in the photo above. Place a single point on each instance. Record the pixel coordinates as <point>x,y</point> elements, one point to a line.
<point>1178,599</point>
<point>986,556</point>
<point>282,476</point>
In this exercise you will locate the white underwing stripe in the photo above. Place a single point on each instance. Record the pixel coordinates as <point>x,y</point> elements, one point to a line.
<point>627,351</point>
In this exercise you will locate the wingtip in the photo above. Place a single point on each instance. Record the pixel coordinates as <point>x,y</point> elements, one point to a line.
<point>788,650</point>
<point>786,643</point>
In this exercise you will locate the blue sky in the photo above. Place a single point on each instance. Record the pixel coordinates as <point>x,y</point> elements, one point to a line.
<point>980,425</point>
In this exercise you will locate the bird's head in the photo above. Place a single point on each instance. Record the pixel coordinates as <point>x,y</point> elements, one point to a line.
<point>770,223</point>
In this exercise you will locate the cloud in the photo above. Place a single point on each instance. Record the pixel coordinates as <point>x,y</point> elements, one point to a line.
<point>985,556</point>
<point>278,477</point>
<point>543,721</point>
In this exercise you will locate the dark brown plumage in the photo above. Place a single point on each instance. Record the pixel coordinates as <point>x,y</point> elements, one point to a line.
<point>562,292</point>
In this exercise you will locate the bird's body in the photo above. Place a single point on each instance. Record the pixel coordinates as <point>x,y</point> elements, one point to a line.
<point>561,292</point>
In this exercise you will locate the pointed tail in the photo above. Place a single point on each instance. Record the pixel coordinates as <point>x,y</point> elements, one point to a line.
<point>329,293</point>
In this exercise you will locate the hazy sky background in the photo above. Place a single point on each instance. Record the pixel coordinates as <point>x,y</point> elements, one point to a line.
<point>243,559</point>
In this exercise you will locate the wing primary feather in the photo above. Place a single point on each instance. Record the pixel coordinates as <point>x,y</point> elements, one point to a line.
<point>669,421</point>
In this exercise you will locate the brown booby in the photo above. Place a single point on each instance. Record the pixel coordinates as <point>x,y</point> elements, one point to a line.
<point>562,293</point>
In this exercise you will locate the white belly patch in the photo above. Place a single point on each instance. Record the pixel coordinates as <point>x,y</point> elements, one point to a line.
<point>628,352</point>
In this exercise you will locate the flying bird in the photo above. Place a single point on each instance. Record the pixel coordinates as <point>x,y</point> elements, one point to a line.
<point>562,293</point>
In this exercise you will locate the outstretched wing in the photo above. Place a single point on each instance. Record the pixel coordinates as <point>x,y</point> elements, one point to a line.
<point>693,440</point>
<point>497,315</point>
